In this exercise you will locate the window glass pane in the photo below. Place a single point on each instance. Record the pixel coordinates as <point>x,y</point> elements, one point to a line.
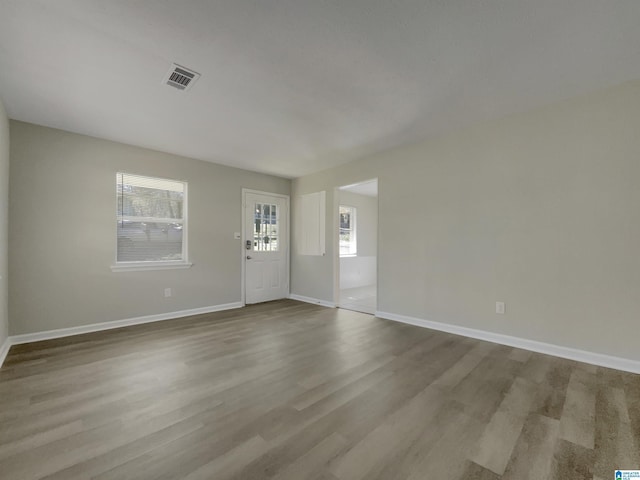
<point>347,230</point>
<point>150,219</point>
<point>265,236</point>
<point>146,202</point>
<point>345,218</point>
<point>147,241</point>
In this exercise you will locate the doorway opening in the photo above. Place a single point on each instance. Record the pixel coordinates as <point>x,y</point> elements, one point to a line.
<point>357,261</point>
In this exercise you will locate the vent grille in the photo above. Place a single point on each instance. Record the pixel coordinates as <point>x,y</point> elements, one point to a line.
<point>180,77</point>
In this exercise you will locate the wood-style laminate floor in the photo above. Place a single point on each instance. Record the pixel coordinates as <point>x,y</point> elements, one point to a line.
<point>287,390</point>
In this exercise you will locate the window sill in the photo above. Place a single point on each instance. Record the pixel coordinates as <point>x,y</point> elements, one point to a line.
<point>145,266</point>
<point>348,255</point>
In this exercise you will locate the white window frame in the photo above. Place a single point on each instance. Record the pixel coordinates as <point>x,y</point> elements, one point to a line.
<point>353,229</point>
<point>156,264</point>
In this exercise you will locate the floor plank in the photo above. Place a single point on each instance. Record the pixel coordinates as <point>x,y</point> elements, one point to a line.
<point>287,390</point>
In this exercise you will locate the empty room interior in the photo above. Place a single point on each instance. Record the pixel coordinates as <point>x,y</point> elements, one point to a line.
<point>319,240</point>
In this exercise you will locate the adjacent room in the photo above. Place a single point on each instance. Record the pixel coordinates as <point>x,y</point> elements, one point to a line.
<point>358,246</point>
<point>319,240</point>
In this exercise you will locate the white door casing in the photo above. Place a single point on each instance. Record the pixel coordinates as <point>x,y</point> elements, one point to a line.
<point>265,246</point>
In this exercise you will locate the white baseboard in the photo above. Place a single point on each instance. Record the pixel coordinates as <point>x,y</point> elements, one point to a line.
<point>315,301</point>
<point>97,327</point>
<point>599,359</point>
<point>4,349</point>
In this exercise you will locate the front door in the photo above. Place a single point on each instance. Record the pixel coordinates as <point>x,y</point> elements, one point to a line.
<point>266,249</point>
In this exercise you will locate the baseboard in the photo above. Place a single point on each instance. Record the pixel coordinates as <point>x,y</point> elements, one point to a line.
<point>97,327</point>
<point>4,350</point>
<point>315,301</point>
<point>599,359</point>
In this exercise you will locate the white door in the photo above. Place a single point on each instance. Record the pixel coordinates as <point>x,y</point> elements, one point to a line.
<point>266,247</point>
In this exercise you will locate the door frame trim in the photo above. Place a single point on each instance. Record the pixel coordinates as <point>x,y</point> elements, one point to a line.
<point>243,255</point>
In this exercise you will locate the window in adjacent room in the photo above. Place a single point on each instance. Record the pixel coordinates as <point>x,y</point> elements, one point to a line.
<point>348,243</point>
<point>151,223</point>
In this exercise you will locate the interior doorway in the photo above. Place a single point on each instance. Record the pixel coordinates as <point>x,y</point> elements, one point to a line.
<point>357,263</point>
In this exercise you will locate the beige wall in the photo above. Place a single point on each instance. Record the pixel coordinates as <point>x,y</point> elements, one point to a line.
<point>539,210</point>
<point>62,236</point>
<point>4,216</point>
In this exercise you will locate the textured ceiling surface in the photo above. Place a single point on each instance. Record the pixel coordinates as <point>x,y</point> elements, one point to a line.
<point>290,87</point>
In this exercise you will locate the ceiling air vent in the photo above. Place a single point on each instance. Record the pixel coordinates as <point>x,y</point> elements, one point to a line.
<point>180,77</point>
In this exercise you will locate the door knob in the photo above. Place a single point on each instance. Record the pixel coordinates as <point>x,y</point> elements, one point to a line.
<point>248,257</point>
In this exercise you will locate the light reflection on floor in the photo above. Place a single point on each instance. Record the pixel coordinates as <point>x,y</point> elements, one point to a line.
<point>361,299</point>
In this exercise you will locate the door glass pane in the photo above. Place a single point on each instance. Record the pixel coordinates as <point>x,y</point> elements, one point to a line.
<point>265,234</point>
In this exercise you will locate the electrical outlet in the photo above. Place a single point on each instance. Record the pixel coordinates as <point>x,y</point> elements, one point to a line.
<point>167,292</point>
<point>500,308</point>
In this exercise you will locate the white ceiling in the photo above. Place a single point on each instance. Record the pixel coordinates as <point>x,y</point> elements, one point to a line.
<point>291,87</point>
<point>370,188</point>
